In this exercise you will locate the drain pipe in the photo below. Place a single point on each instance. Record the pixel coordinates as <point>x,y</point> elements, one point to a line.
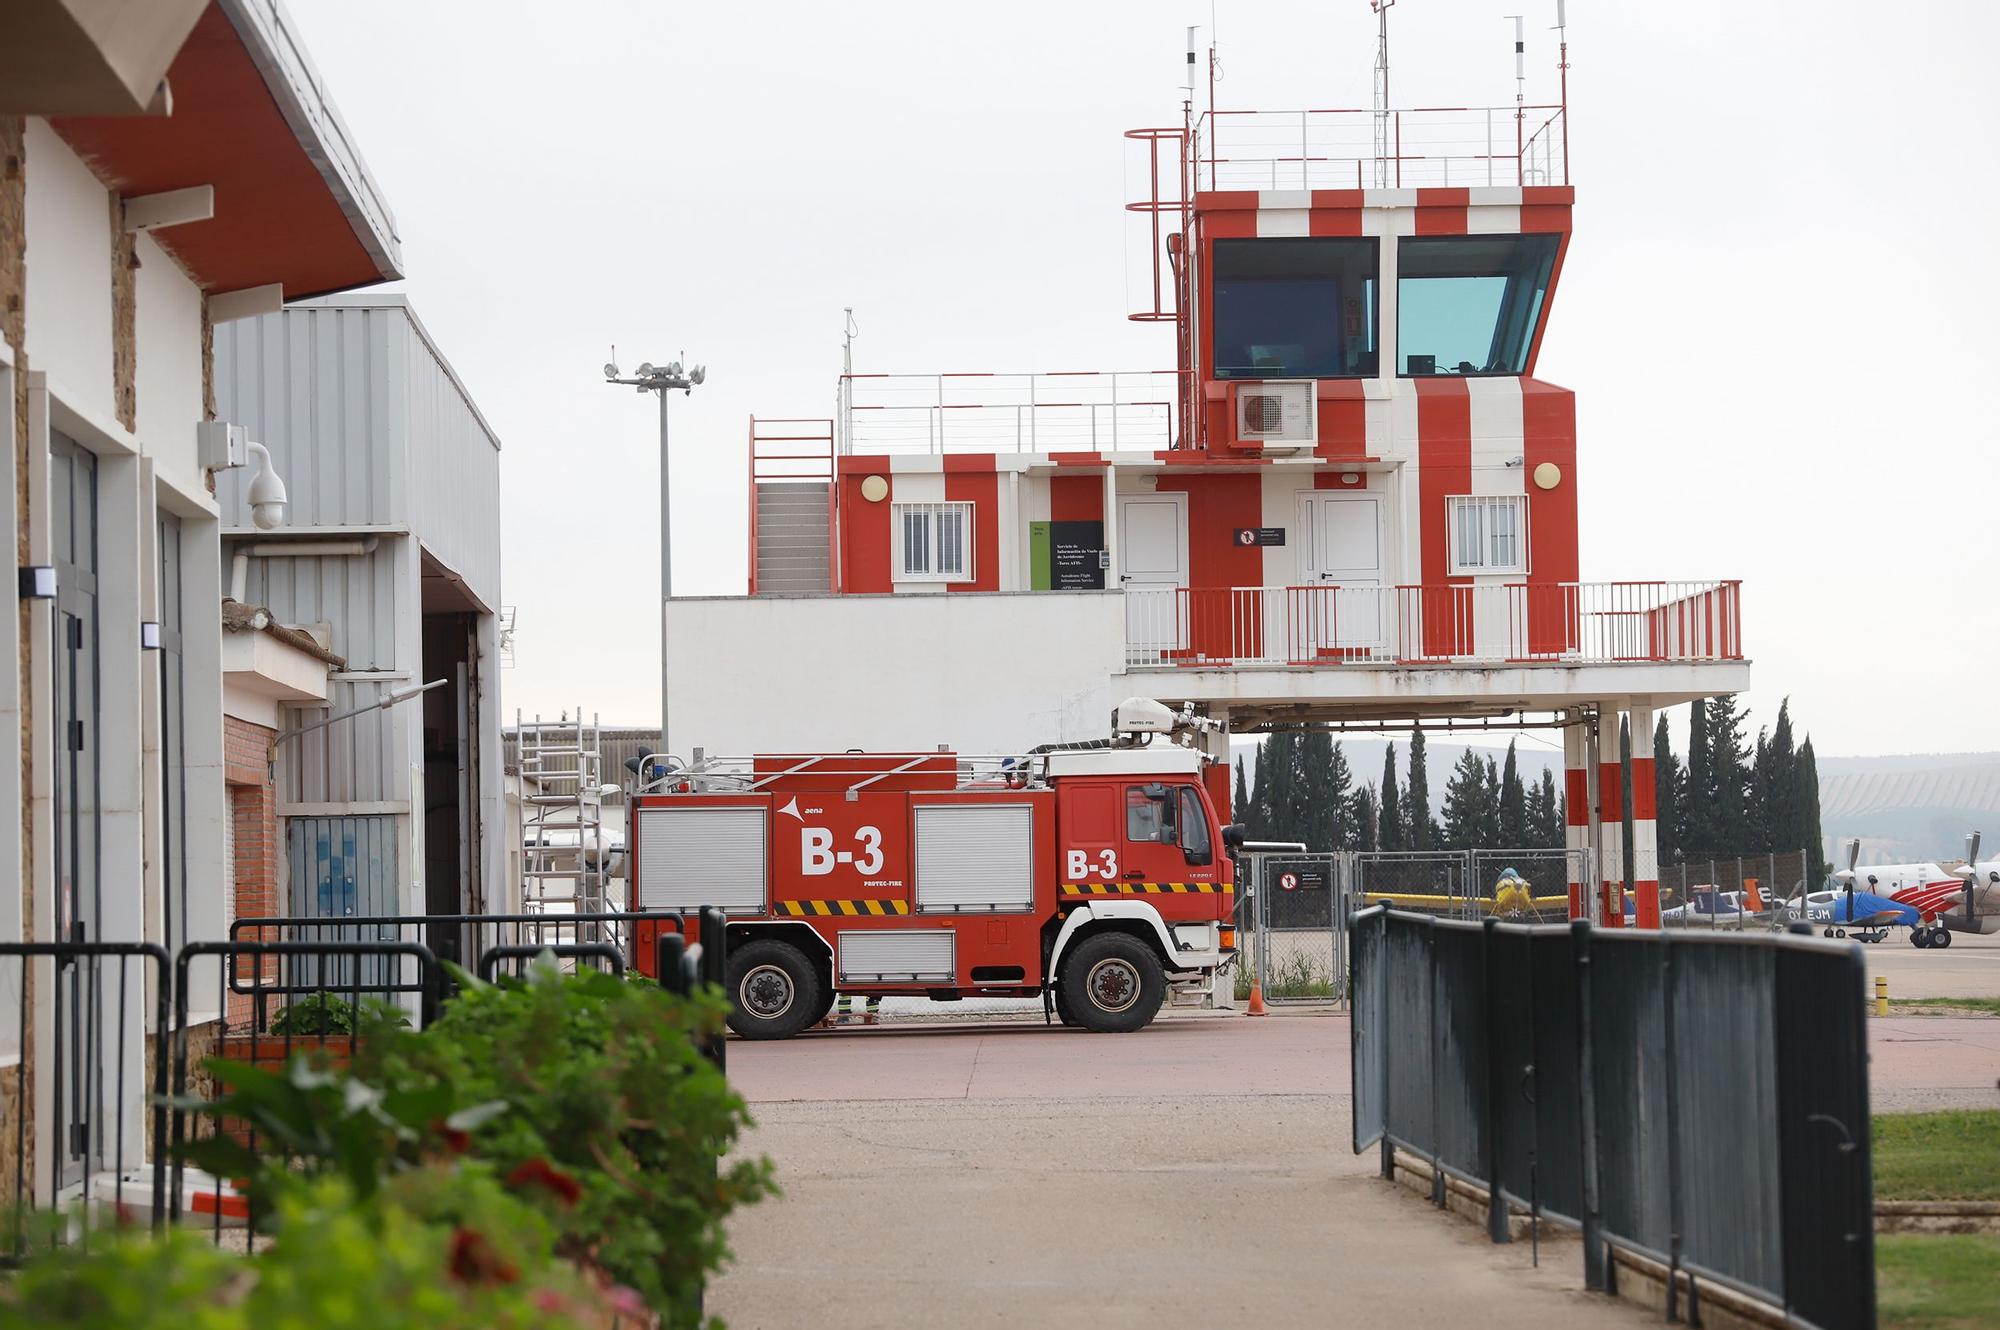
<point>240,557</point>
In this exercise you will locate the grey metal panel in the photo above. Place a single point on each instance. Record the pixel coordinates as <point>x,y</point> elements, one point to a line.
<point>975,857</point>
<point>690,857</point>
<point>362,760</point>
<point>454,471</point>
<point>342,866</point>
<point>898,955</point>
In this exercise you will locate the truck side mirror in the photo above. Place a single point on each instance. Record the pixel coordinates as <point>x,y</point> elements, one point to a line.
<point>1233,836</point>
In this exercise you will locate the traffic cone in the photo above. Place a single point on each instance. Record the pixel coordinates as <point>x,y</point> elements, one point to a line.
<point>1256,998</point>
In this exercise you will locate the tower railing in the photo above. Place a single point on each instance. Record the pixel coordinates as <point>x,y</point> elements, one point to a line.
<point>979,412</point>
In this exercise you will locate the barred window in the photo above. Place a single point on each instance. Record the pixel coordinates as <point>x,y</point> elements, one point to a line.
<point>934,542</point>
<point>1488,533</point>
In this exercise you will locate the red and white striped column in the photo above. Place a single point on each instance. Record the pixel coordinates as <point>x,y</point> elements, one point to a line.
<point>1610,819</point>
<point>1645,819</point>
<point>1576,815</point>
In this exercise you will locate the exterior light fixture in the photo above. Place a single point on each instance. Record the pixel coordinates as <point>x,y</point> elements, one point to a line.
<point>38,582</point>
<point>1548,475</point>
<point>651,378</point>
<point>149,635</point>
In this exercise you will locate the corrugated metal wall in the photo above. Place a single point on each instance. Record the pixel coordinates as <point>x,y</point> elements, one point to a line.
<point>454,474</point>
<point>342,866</point>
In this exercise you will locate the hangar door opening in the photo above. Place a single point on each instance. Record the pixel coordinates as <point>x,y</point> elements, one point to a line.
<point>452,834</point>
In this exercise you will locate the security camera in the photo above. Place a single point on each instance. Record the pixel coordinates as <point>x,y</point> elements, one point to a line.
<point>266,494</point>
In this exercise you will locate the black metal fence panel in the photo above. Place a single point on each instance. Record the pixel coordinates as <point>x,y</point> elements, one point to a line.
<point>1367,1043</point>
<point>1406,965</point>
<point>1702,1100</point>
<point>1461,1088</point>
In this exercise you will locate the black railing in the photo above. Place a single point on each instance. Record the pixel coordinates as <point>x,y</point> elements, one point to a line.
<point>1698,1101</point>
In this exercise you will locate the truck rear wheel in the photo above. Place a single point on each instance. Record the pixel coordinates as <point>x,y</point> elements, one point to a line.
<point>774,991</point>
<point>1114,983</point>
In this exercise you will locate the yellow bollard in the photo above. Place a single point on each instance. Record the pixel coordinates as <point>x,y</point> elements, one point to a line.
<point>1881,995</point>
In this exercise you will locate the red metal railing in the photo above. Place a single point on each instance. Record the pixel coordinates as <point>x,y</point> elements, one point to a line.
<point>1577,623</point>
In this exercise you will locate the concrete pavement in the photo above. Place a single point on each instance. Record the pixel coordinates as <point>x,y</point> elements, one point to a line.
<point>1969,967</point>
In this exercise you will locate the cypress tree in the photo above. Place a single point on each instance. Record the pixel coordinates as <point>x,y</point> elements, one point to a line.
<point>1728,776</point>
<point>1239,803</point>
<point>1698,820</point>
<point>1545,816</point>
<point>1782,831</point>
<point>1341,798</point>
<point>1805,813</point>
<point>1390,833</point>
<point>1256,817</point>
<point>1513,803</point>
<point>1668,780</point>
<point>1317,814</point>
<point>1757,798</point>
<point>1420,829</point>
<point>1467,799</point>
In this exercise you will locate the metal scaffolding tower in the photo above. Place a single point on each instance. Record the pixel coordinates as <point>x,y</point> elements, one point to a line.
<point>565,855</point>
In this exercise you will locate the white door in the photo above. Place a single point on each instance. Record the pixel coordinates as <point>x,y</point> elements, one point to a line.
<point>1152,567</point>
<point>1339,610</point>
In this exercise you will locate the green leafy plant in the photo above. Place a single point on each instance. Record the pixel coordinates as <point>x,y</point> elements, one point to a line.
<point>332,1014</point>
<point>605,1086</point>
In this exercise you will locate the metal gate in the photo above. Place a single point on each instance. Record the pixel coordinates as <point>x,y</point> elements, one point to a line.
<point>1298,925</point>
<point>1429,881</point>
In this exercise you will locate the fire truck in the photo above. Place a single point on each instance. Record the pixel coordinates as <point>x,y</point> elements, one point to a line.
<point>1095,876</point>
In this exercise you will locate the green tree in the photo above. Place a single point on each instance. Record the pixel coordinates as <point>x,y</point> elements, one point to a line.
<point>1781,794</point>
<point>1728,789</point>
<point>1805,813</point>
<point>1669,781</point>
<point>1317,813</point>
<point>1513,803</point>
<point>1545,815</point>
<point>1420,828</point>
<point>1342,800</point>
<point>1698,831</point>
<point>1239,809</point>
<point>1390,833</point>
<point>1368,819</point>
<point>1468,803</point>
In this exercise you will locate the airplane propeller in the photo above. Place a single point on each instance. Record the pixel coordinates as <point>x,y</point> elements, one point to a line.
<point>1970,871</point>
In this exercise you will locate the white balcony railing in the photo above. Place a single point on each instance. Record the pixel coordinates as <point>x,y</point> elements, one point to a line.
<point>1079,411</point>
<point>1580,623</point>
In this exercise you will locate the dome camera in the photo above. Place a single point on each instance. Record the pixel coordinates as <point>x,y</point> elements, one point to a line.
<point>266,494</point>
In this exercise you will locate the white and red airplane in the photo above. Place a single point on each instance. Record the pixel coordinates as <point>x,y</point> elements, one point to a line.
<point>1938,895</point>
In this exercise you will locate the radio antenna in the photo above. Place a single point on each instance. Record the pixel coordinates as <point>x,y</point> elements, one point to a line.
<point>1381,8</point>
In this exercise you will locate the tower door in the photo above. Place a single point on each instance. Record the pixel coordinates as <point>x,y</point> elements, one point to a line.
<point>1152,568</point>
<point>1339,610</point>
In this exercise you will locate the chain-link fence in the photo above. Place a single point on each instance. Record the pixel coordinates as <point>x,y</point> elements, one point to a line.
<point>1735,892</point>
<point>1298,926</point>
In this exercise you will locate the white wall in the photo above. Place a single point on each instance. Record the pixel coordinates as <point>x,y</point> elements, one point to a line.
<point>69,272</point>
<point>984,674</point>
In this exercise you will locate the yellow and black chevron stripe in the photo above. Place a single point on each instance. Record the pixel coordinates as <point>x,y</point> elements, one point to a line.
<point>1142,888</point>
<point>801,909</point>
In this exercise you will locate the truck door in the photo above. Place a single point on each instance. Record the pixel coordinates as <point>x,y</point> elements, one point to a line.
<point>1167,836</point>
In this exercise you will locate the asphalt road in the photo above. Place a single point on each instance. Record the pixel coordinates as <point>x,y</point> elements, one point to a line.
<point>997,1172</point>
<point>1969,967</point>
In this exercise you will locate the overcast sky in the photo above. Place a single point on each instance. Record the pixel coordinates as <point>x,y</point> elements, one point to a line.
<point>1777,312</point>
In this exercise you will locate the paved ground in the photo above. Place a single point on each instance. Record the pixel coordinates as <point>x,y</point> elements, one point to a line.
<point>1969,967</point>
<point>1001,1173</point>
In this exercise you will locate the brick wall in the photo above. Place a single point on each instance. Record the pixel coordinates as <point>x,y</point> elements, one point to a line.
<point>253,812</point>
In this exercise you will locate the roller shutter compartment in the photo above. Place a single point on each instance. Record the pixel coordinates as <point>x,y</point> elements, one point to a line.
<point>691,857</point>
<point>975,858</point>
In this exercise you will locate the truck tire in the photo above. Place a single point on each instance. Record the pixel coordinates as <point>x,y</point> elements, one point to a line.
<point>1063,1013</point>
<point>774,991</point>
<point>1115,983</point>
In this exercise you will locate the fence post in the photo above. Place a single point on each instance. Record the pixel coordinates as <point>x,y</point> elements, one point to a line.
<point>1437,1141</point>
<point>1586,1087</point>
<point>715,970</point>
<point>672,949</point>
<point>1669,1044</point>
<point>1382,1042</point>
<point>1496,1200</point>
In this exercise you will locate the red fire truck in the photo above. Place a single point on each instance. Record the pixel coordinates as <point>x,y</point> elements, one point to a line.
<point>1095,877</point>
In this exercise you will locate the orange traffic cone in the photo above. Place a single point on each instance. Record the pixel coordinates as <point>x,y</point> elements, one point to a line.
<point>1256,998</point>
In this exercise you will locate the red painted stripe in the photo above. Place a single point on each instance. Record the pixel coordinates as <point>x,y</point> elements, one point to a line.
<point>1077,459</point>
<point>1610,793</point>
<point>1576,797</point>
<point>1645,798</point>
<point>865,464</point>
<point>1346,199</point>
<point>864,534</point>
<point>1343,421</point>
<point>1646,903</point>
<point>981,489</point>
<point>1218,504</point>
<point>1229,225</point>
<point>1441,212</point>
<point>1333,222</point>
<point>1076,498</point>
<point>981,463</point>
<point>1548,427</point>
<point>1329,478</point>
<point>1557,194</point>
<point>1225,200</point>
<point>1444,467</point>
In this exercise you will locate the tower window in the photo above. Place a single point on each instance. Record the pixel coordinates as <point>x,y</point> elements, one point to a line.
<point>1487,533</point>
<point>1295,307</point>
<point>934,542</point>
<point>1469,305</point>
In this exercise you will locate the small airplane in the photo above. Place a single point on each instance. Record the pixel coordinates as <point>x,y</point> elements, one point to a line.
<point>1931,901</point>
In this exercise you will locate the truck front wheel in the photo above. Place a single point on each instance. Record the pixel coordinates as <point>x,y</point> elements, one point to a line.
<point>1113,983</point>
<point>774,991</point>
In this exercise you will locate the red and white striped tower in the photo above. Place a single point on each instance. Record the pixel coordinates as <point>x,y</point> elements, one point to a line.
<point>1610,819</point>
<point>1576,815</point>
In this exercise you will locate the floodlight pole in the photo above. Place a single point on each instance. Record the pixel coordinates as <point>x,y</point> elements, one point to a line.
<point>664,382</point>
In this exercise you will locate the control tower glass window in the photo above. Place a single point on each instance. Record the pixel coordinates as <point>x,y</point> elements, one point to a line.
<point>1295,308</point>
<point>1469,304</point>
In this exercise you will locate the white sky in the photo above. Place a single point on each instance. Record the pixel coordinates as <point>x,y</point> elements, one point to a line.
<point>1777,312</point>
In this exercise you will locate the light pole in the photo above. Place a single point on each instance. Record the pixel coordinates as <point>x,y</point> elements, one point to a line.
<point>662,380</point>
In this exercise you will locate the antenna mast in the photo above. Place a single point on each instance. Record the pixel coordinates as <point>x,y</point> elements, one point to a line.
<point>1381,8</point>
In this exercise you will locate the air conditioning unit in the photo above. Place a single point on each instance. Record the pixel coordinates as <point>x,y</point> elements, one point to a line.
<point>1276,415</point>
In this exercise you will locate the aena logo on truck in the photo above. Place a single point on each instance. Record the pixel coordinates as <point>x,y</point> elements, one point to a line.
<point>1077,865</point>
<point>817,857</point>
